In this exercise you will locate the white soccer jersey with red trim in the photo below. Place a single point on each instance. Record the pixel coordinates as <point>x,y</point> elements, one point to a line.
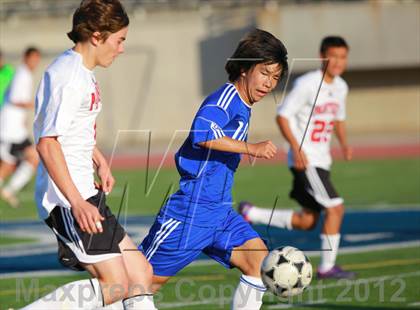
<point>330,106</point>
<point>67,104</point>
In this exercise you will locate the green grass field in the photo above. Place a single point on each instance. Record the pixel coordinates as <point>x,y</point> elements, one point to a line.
<point>363,184</point>
<point>387,279</point>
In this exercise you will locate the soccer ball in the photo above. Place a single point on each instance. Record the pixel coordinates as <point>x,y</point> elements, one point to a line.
<point>286,271</point>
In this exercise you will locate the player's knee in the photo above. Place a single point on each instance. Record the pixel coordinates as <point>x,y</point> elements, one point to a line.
<point>337,211</point>
<point>140,282</point>
<point>115,288</point>
<point>309,221</point>
<point>148,273</point>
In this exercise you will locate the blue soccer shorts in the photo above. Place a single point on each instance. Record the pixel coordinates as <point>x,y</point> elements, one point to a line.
<point>172,244</point>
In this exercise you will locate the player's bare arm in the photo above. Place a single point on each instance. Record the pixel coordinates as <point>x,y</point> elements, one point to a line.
<point>103,171</point>
<point>340,132</point>
<point>265,149</point>
<point>52,156</point>
<point>300,160</point>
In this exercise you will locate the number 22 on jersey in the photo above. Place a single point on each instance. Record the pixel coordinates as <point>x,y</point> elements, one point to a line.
<point>322,131</point>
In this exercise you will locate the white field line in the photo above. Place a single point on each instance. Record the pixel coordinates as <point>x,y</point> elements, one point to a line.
<point>38,274</point>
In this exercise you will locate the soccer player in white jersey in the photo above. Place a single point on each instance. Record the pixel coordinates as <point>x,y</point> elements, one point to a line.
<point>310,165</point>
<point>88,234</point>
<point>18,157</point>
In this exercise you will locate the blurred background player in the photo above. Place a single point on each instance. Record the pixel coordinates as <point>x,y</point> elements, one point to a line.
<point>89,236</point>
<point>17,153</point>
<point>6,76</point>
<point>199,217</point>
<point>310,165</point>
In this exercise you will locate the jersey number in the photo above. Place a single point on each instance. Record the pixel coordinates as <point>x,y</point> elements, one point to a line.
<point>322,131</point>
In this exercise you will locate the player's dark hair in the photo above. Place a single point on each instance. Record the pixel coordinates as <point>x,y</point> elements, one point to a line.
<point>332,41</point>
<point>31,49</point>
<point>103,16</point>
<point>258,46</point>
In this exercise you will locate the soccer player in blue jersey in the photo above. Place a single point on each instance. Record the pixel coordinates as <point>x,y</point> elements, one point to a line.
<point>199,217</point>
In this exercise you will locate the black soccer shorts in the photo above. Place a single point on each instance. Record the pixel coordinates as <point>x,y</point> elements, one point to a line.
<point>12,153</point>
<point>312,189</point>
<point>76,246</point>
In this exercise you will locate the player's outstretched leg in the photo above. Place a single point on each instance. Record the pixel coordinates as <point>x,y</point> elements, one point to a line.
<point>125,278</point>
<point>330,241</point>
<point>139,279</point>
<point>255,215</point>
<point>248,259</point>
<point>82,294</point>
<point>139,273</point>
<point>288,219</point>
<point>109,285</point>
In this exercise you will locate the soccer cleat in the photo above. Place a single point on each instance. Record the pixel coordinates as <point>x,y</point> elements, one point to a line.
<point>9,198</point>
<point>336,272</point>
<point>243,209</point>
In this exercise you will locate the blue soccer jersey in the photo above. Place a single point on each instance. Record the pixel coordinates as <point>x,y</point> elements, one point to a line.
<point>205,193</point>
<point>199,217</point>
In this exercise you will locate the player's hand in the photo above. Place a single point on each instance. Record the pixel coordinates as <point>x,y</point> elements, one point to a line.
<point>347,152</point>
<point>88,217</point>
<point>107,180</point>
<point>265,149</point>
<point>299,159</point>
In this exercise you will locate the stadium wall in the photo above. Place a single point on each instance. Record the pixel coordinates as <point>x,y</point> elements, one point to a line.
<point>174,58</point>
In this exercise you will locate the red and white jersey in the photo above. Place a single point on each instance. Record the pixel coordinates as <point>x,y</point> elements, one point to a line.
<point>12,117</point>
<point>66,106</point>
<point>330,106</point>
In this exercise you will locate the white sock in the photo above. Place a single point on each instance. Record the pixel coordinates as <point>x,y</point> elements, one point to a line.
<point>281,218</point>
<point>83,294</point>
<point>20,178</point>
<point>143,302</point>
<point>329,246</point>
<point>248,294</point>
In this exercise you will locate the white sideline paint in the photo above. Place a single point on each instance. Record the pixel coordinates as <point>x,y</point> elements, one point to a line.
<point>367,237</point>
<point>39,274</point>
